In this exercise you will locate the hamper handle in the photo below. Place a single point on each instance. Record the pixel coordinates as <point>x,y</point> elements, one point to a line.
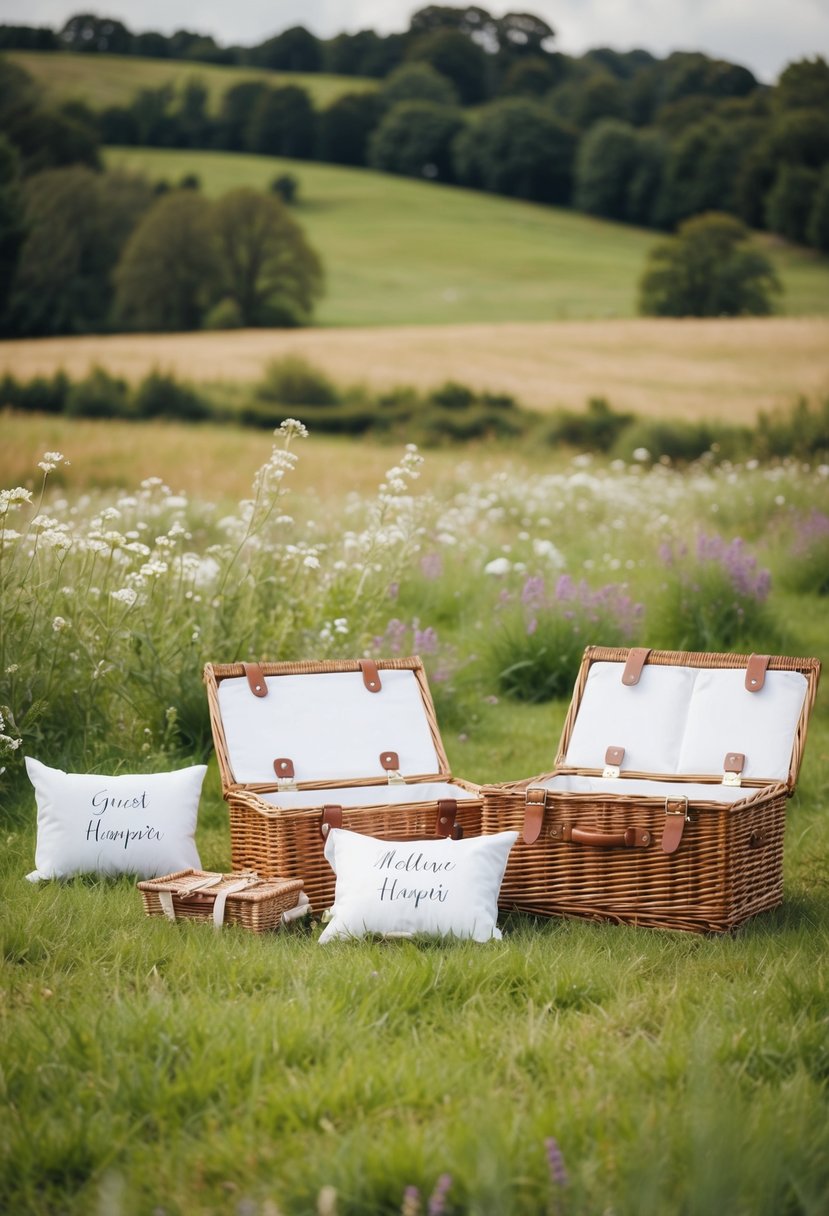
<point>628,838</point>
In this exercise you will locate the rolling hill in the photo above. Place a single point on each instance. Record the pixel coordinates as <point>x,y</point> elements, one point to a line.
<point>402,252</point>
<point>113,80</point>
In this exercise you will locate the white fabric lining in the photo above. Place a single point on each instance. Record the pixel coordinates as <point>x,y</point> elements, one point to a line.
<point>368,795</point>
<point>328,724</point>
<point>693,791</point>
<point>685,720</point>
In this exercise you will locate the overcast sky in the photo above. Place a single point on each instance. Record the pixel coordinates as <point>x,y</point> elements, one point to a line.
<point>764,35</point>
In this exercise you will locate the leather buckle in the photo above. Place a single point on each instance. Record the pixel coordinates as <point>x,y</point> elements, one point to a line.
<point>284,769</point>
<point>613,758</point>
<point>733,766</point>
<point>535,802</point>
<point>637,657</point>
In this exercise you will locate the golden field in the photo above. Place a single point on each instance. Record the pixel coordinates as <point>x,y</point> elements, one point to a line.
<point>728,369</point>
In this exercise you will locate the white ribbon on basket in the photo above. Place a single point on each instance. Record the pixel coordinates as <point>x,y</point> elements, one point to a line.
<point>302,907</point>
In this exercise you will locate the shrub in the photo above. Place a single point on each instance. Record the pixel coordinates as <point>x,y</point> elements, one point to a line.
<point>806,565</point>
<point>597,428</point>
<point>42,395</point>
<point>681,441</point>
<point>536,648</point>
<point>452,395</point>
<point>99,395</point>
<point>225,314</point>
<point>714,597</point>
<point>292,380</point>
<point>801,431</point>
<point>708,269</point>
<point>286,186</point>
<point>161,396</point>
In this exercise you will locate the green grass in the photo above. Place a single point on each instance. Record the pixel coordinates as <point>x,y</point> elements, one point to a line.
<point>113,80</point>
<point>149,1067</point>
<point>403,252</point>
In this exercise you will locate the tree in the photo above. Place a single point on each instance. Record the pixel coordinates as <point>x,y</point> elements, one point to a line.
<point>87,32</point>
<point>417,82</point>
<point>294,50</point>
<point>238,104</point>
<point>415,138</point>
<point>607,159</point>
<point>195,125</point>
<point>790,201</point>
<point>343,128</point>
<point>817,231</point>
<point>453,55</point>
<point>169,272</point>
<point>282,123</point>
<point>12,229</point>
<point>76,223</point>
<point>707,270</point>
<point>803,85</point>
<point>266,265</point>
<point>530,76</point>
<point>517,147</point>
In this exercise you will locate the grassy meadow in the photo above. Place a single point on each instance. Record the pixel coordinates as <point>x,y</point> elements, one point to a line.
<point>402,252</point>
<point>114,80</point>
<point>571,1068</point>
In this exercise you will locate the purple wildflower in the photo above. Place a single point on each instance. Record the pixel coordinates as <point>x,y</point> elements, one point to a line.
<point>808,529</point>
<point>425,640</point>
<point>437,1200</point>
<point>565,588</point>
<point>555,1162</point>
<point>431,565</point>
<point>411,1202</point>
<point>533,590</point>
<point>394,590</point>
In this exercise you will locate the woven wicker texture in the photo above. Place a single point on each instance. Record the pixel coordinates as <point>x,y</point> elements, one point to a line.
<point>274,840</point>
<point>727,867</point>
<point>258,907</point>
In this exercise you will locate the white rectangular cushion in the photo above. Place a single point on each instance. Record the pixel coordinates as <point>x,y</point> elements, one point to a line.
<point>368,795</point>
<point>685,720</point>
<point>694,791</point>
<point>328,724</point>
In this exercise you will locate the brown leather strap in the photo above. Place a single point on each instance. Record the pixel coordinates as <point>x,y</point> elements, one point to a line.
<point>284,768</point>
<point>390,761</point>
<point>371,676</point>
<point>614,756</point>
<point>637,657</point>
<point>332,817</point>
<point>627,838</point>
<point>676,816</point>
<point>256,679</point>
<point>535,802</point>
<point>447,814</point>
<point>756,672</point>
<point>734,762</point>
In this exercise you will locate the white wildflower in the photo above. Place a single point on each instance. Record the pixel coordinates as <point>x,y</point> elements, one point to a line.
<point>51,460</point>
<point>498,566</point>
<point>154,569</point>
<point>125,595</point>
<point>340,625</point>
<point>12,668</point>
<point>291,428</point>
<point>175,502</point>
<point>59,624</point>
<point>311,561</point>
<point>641,455</point>
<point>542,547</point>
<point>12,499</point>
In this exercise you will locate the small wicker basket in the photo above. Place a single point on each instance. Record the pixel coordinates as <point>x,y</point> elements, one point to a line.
<point>306,746</point>
<point>244,899</point>
<point>654,844</point>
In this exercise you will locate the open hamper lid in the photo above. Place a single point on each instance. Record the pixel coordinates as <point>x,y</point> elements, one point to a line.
<point>735,719</point>
<point>311,725</point>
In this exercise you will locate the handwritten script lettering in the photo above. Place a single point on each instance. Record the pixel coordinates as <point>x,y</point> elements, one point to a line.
<point>413,864</point>
<point>102,802</point>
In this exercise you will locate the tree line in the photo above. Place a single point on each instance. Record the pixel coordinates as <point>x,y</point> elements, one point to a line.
<point>85,251</point>
<point>487,102</point>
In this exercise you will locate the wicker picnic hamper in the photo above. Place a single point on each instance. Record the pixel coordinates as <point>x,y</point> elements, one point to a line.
<point>245,899</point>
<point>668,800</point>
<point>307,746</point>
